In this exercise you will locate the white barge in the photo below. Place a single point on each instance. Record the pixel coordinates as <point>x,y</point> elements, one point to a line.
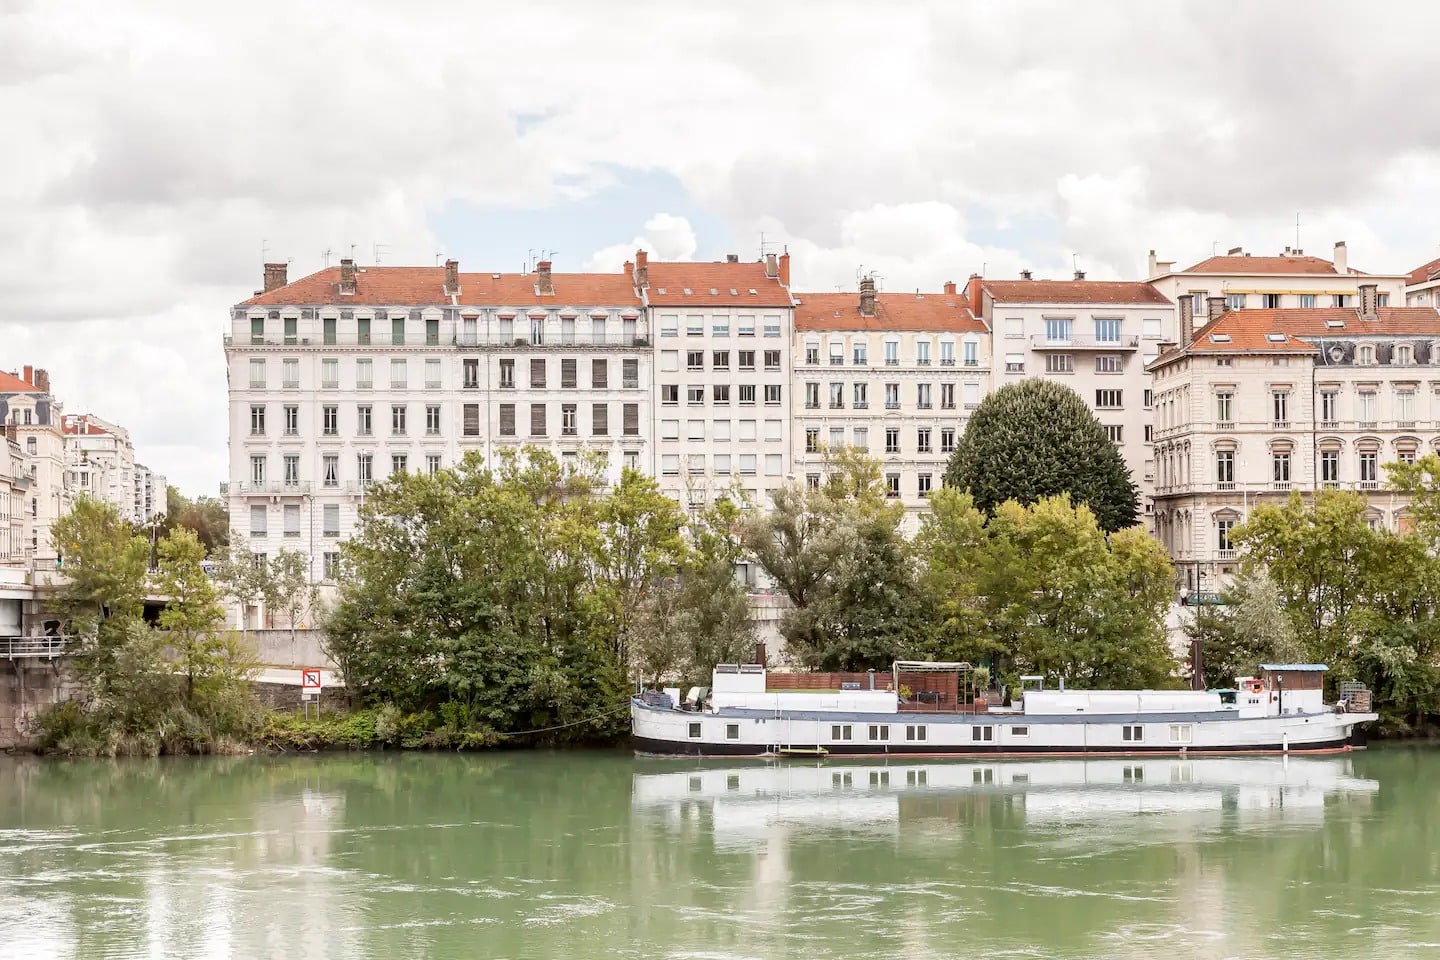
<point>931,710</point>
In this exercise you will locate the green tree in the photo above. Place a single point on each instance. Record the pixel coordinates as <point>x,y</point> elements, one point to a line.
<point>1036,439</point>
<point>208,517</point>
<point>1249,627</point>
<point>193,619</point>
<point>285,587</point>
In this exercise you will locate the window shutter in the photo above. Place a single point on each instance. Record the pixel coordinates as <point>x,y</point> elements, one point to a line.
<point>537,419</point>
<point>632,419</point>
<point>599,373</point>
<point>600,419</point>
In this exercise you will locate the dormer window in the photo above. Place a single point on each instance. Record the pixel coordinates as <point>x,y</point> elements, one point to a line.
<point>1365,354</point>
<point>1404,354</point>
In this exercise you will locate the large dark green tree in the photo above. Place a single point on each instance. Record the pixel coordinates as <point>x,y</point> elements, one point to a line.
<point>1037,439</point>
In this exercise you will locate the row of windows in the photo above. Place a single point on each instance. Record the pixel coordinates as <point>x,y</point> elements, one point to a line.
<point>720,393</point>
<point>433,369</point>
<point>1063,330</point>
<point>723,464</point>
<point>393,330</point>
<point>1273,301</point>
<point>1065,363</point>
<point>859,395</point>
<point>719,325</point>
<point>979,733</point>
<point>860,439</point>
<point>364,467</point>
<point>721,430</point>
<point>1329,409</point>
<point>719,359</point>
<point>470,421</point>
<point>860,353</point>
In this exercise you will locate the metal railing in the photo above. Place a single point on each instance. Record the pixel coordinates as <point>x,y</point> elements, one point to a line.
<point>527,341</point>
<point>1040,341</point>
<point>20,648</point>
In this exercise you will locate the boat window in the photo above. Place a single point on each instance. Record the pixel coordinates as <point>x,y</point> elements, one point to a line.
<point>1134,775</point>
<point>694,731</point>
<point>840,731</point>
<point>732,731</point>
<point>1019,731</point>
<point>879,731</point>
<point>1135,733</point>
<point>979,733</point>
<point>1181,732</point>
<point>915,731</point>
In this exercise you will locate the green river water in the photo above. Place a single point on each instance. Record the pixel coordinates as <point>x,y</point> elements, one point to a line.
<point>589,855</point>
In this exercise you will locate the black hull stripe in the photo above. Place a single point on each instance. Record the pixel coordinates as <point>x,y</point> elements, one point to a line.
<point>672,748</point>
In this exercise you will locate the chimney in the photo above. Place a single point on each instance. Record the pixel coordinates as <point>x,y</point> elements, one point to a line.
<point>732,258</point>
<point>772,266</point>
<point>785,268</point>
<point>1079,274</point>
<point>950,288</point>
<point>42,381</point>
<point>867,297</point>
<point>275,276</point>
<point>29,375</point>
<point>974,295</point>
<point>1026,275</point>
<point>642,269</point>
<point>544,285</point>
<point>347,276</point>
<point>1342,257</point>
<point>1214,307</point>
<point>1154,266</point>
<point>452,277</point>
<point>1187,319</point>
<point>1235,252</point>
<point>1369,301</point>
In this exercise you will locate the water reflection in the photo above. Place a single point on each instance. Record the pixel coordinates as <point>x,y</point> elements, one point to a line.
<point>743,806</point>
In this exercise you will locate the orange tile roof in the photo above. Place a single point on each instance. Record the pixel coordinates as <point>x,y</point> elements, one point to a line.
<point>937,312</point>
<point>1074,291</point>
<point>1424,273</point>
<point>80,425</point>
<point>731,283</point>
<point>1248,329</point>
<point>9,383</point>
<point>1243,264</point>
<point>424,286</point>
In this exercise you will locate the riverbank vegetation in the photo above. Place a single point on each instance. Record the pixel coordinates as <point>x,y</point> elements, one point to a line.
<point>1319,583</point>
<point>176,685</point>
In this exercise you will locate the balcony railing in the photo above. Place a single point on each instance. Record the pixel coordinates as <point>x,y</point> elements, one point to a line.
<point>1280,486</point>
<point>250,488</point>
<point>1041,342</point>
<point>32,648</point>
<point>526,341</point>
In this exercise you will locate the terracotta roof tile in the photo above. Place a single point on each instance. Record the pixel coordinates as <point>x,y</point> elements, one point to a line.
<point>1243,264</point>
<point>9,383</point>
<point>1424,273</point>
<point>1250,330</point>
<point>1074,291</point>
<point>424,286</point>
<point>938,312</point>
<point>670,279</point>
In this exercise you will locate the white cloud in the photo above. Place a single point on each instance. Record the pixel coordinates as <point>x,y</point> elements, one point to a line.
<point>157,145</point>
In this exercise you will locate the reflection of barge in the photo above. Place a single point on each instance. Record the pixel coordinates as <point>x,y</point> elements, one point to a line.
<point>744,801</point>
<point>925,709</point>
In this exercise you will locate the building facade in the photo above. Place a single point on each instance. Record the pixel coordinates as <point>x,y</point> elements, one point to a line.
<point>1290,280</point>
<point>350,375</point>
<point>1093,336</point>
<point>32,413</point>
<point>1262,402</point>
<point>893,375</point>
<point>100,459</point>
<point>724,335</point>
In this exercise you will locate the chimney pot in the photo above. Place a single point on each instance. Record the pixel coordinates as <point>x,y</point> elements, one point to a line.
<point>1079,274</point>
<point>1342,257</point>
<point>29,376</point>
<point>452,277</point>
<point>732,258</point>
<point>544,284</point>
<point>642,258</point>
<point>950,288</point>
<point>347,276</point>
<point>1154,265</point>
<point>1187,319</point>
<point>772,266</point>
<point>642,269</point>
<point>1214,307</point>
<point>785,268</point>
<point>1026,275</point>
<point>275,276</point>
<point>42,380</point>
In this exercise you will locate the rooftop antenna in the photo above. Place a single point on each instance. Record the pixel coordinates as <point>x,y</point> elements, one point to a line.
<point>438,255</point>
<point>764,245</point>
<point>352,251</point>
<point>1297,229</point>
<point>1214,247</point>
<point>264,250</point>
<point>379,249</point>
<point>326,256</point>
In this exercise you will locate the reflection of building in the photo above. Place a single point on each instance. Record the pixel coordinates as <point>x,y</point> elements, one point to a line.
<point>743,804</point>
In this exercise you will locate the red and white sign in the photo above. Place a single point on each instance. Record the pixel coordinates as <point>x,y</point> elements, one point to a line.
<point>310,681</point>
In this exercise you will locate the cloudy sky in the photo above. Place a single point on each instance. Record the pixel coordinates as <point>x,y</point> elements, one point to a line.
<point>156,153</point>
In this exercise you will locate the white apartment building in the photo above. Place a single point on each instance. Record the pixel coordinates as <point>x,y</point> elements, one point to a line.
<point>150,494</point>
<point>723,341</point>
<point>891,374</point>
<point>100,458</point>
<point>353,374</point>
<point>1265,401</point>
<point>1422,285</point>
<point>14,496</point>
<point>1291,279</point>
<point>27,405</point>
<point>1093,336</point>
